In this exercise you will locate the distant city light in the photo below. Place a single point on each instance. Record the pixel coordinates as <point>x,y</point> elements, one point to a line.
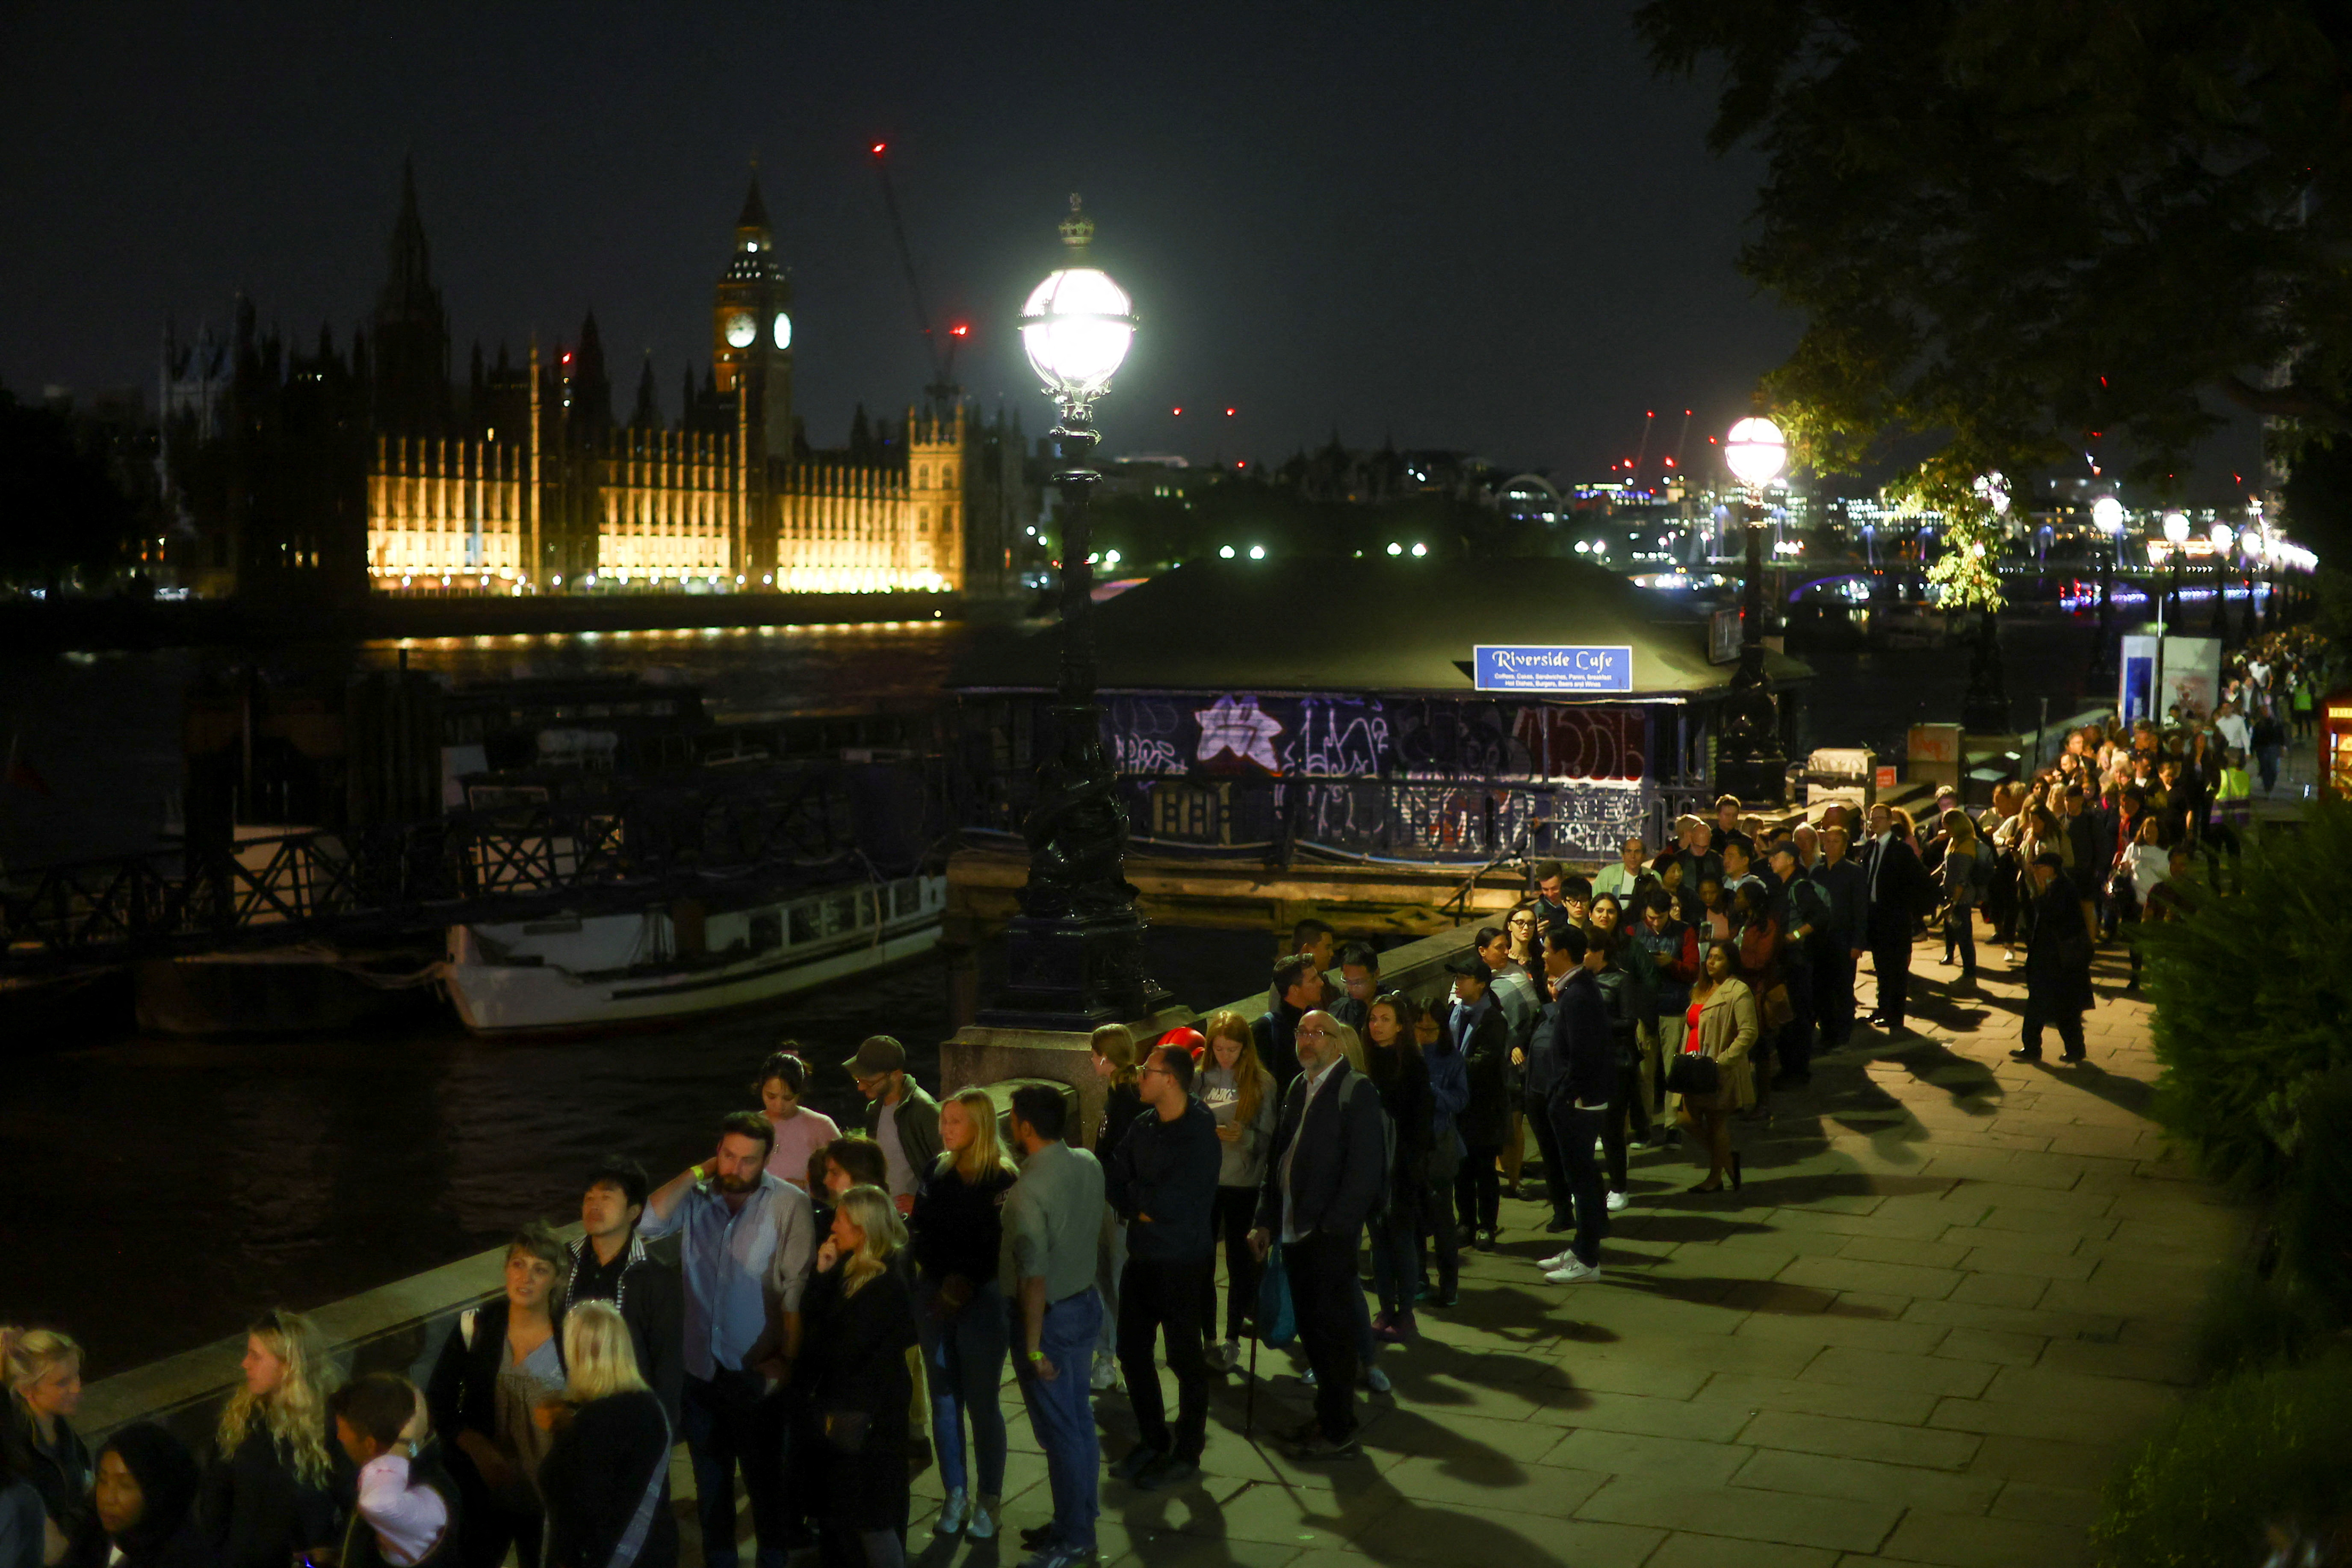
<point>1226,553</point>
<point>1396,549</point>
<point>2108,514</point>
<point>1229,413</point>
<point>1111,559</point>
<point>1257,552</point>
<point>878,148</point>
<point>1420,549</point>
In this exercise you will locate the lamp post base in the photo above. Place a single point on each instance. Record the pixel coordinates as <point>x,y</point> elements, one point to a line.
<point>1074,972</point>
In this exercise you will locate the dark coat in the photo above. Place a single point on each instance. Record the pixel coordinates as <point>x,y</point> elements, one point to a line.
<point>2057,950</point>
<point>1897,893</point>
<point>462,1395</point>
<point>1168,1170</point>
<point>167,1534</point>
<point>1277,1035</point>
<point>1486,1061</point>
<point>853,1362</point>
<point>1342,1156</point>
<point>1849,900</point>
<point>1402,1078</point>
<point>61,1477</point>
<point>1583,1043</point>
<point>257,1509</point>
<point>653,1303</point>
<point>594,1481</point>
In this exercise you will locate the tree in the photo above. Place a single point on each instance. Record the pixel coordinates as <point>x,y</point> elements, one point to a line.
<point>2013,227</point>
<point>61,512</point>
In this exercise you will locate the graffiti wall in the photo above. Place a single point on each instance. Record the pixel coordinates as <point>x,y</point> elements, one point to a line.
<point>1414,777</point>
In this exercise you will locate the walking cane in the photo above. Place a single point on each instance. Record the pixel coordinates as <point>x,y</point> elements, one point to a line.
<point>1249,1397</point>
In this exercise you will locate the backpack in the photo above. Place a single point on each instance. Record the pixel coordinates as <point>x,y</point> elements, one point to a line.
<point>1979,874</point>
<point>1362,1083</point>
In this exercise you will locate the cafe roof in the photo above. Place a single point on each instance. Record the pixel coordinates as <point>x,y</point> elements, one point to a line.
<point>1370,624</point>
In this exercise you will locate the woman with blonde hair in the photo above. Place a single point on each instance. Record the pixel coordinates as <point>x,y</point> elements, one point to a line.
<point>1239,1093</point>
<point>269,1491</point>
<point>959,1229</point>
<point>852,1385</point>
<point>605,1479</point>
<point>38,1444</point>
<point>1113,1047</point>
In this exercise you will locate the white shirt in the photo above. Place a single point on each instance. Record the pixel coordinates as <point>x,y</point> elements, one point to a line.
<point>407,1520</point>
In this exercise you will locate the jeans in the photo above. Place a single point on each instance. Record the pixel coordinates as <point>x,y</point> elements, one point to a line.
<point>1576,1130</point>
<point>1235,1212</point>
<point>1444,1241</point>
<point>1062,1413</point>
<point>1396,1256</point>
<point>1109,1264</point>
<point>1960,932</point>
<point>1322,1268</point>
<point>964,1360</point>
<point>1555,1174</point>
<point>733,1424</point>
<point>1478,1189</point>
<point>1161,1299</point>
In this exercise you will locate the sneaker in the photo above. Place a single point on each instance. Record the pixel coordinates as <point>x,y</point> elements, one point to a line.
<point>1449,1297</point>
<point>1572,1272</point>
<point>952,1514</point>
<point>1037,1537</point>
<point>981,1525</point>
<point>1555,1260</point>
<point>2025,1056</point>
<point>1617,1201</point>
<point>1318,1447</point>
<point>1307,1377</point>
<point>1226,1356</point>
<point>1485,1242</point>
<point>1104,1377</point>
<point>1377,1381</point>
<point>1061,1557</point>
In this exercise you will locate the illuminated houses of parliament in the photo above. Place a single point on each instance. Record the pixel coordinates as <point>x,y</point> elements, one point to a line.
<point>721,509</point>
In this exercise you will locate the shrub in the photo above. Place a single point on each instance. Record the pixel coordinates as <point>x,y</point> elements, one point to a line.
<point>2259,1453</point>
<point>2250,1321</point>
<point>2253,1003</point>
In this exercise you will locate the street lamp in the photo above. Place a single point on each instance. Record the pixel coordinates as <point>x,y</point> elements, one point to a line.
<point>1747,760</point>
<point>1074,957</point>
<point>2176,537</point>
<point>2108,517</point>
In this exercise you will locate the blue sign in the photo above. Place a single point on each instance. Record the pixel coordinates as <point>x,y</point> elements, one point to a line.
<point>1554,668</point>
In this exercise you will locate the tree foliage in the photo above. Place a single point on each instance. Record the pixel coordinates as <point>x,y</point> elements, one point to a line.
<point>61,510</point>
<point>2253,1005</point>
<point>2018,226</point>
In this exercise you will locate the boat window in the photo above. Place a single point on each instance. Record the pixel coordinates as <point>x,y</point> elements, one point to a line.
<point>767,930</point>
<point>841,913</point>
<point>803,921</point>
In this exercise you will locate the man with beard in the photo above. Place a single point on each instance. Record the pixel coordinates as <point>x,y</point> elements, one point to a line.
<point>746,1239</point>
<point>2057,963</point>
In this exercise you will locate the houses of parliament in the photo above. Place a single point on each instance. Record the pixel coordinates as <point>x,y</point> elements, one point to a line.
<point>372,468</point>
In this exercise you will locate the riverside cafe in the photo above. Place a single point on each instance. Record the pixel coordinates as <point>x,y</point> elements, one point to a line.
<point>1373,710</point>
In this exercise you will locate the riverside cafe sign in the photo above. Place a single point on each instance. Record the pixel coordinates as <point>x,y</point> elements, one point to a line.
<point>1553,668</point>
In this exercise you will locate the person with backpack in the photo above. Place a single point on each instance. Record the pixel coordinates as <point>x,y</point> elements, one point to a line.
<point>1967,877</point>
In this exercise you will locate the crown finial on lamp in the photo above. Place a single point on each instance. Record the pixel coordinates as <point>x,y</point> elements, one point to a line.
<point>1077,229</point>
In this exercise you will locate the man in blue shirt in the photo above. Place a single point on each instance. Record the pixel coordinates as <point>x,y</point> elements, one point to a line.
<point>746,1240</point>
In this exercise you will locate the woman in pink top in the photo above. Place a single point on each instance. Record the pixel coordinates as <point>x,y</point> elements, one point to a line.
<point>800,1131</point>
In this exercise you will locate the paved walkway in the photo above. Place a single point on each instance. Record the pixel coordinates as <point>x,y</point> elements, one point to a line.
<point>1953,1289</point>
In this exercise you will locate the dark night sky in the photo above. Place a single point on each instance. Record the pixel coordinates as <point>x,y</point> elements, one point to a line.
<point>1487,227</point>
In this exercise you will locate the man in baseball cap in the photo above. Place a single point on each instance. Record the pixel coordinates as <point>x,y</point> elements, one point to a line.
<point>898,1115</point>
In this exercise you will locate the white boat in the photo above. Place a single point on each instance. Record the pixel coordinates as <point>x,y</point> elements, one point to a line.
<point>682,957</point>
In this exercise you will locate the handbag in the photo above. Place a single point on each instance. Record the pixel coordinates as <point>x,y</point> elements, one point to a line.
<point>845,1430</point>
<point>1692,1074</point>
<point>1276,1323</point>
<point>1779,1012</point>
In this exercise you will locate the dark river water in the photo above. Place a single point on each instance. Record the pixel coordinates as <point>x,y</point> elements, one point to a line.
<point>161,1191</point>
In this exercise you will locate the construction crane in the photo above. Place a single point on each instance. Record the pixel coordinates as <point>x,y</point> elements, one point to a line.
<point>943,392</point>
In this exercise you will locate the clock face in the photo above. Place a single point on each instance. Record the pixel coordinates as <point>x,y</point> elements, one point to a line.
<point>741,329</point>
<point>783,330</point>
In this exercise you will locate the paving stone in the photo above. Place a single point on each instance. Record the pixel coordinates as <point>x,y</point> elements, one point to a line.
<point>1823,1475</point>
<point>1687,1549</point>
<point>1500,1536</point>
<point>1853,1274</point>
<point>2047,1264</point>
<point>1861,1401</point>
<point>1904,1335</point>
<point>2148,1362</point>
<point>1969,1540</point>
<point>2044,1319</point>
<point>1939,1254</point>
<point>2047,1505</point>
<point>1531,1488</point>
<point>2058,1235</point>
<point>1919,1446</point>
<point>1745,1513</point>
<point>2046,1385</point>
<point>1681,1459</point>
<point>2046,1461</point>
<point>1635,1413</point>
<point>2005,1347</point>
<point>1936,1375</point>
<point>2105,1422</point>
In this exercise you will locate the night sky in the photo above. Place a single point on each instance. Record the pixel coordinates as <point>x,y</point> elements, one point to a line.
<point>1486,229</point>
<point>1483,227</point>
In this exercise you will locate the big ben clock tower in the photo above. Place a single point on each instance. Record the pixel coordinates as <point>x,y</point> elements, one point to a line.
<point>752,327</point>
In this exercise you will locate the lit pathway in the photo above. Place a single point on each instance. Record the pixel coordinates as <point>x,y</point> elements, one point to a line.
<point>1953,1288</point>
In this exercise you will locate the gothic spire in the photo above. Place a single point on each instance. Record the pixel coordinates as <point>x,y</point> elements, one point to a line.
<point>755,211</point>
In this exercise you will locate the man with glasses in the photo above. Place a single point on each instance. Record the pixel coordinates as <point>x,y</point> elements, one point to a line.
<point>1163,1182</point>
<point>898,1116</point>
<point>1328,1162</point>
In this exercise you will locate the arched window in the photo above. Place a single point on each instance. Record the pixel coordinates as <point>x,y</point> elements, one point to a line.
<point>923,477</point>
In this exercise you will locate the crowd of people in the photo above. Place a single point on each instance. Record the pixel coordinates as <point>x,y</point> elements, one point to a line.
<point>832,1294</point>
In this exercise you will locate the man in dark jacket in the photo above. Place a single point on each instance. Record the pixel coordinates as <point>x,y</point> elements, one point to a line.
<point>610,1263</point>
<point>1474,1022</point>
<point>1541,1067</point>
<point>1326,1173</point>
<point>1837,948</point>
<point>898,1115</point>
<point>1900,891</point>
<point>2057,963</point>
<point>1584,1075</point>
<point>1163,1182</point>
<point>1803,912</point>
<point>1299,989</point>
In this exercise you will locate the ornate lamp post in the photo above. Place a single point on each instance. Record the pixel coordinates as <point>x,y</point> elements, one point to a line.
<point>1747,762</point>
<point>2107,516</point>
<point>1074,953</point>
